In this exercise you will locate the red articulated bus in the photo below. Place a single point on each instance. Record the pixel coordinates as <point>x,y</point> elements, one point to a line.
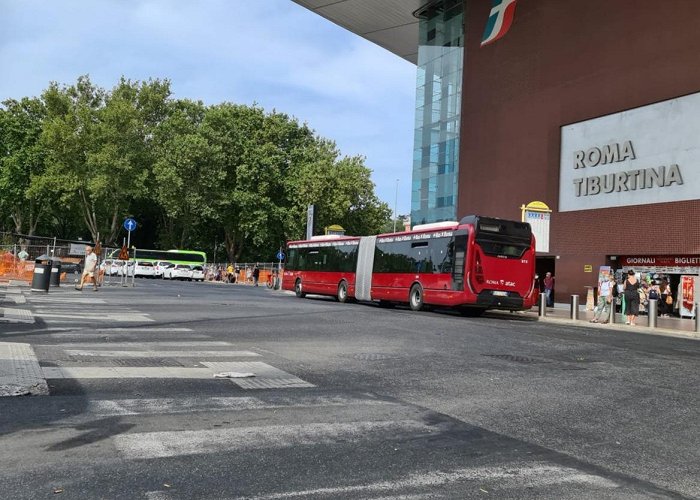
<point>476,264</point>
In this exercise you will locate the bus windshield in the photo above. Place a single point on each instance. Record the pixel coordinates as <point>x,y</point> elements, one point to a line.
<point>505,238</point>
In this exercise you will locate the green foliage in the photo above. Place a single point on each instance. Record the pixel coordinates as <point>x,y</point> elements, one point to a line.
<point>21,161</point>
<point>80,156</point>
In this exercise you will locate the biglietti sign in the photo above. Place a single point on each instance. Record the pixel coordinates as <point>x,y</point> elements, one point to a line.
<point>640,156</point>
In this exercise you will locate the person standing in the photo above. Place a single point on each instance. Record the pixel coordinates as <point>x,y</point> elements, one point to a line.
<point>549,288</point>
<point>631,297</point>
<point>89,270</point>
<point>666,298</point>
<point>605,296</point>
<point>256,275</point>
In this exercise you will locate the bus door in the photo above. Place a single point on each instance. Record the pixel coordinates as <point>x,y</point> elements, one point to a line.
<point>459,252</point>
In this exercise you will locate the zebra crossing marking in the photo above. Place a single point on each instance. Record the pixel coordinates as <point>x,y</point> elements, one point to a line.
<point>161,354</point>
<point>72,318</point>
<point>162,444</point>
<point>511,476</point>
<point>103,372</point>
<point>266,376</point>
<point>151,346</point>
<point>166,406</point>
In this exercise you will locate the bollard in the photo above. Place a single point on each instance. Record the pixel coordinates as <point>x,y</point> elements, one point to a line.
<point>652,311</point>
<point>697,320</point>
<point>574,307</point>
<point>613,306</point>
<point>543,305</point>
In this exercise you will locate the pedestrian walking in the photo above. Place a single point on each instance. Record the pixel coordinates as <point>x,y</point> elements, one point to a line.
<point>549,288</point>
<point>89,269</point>
<point>605,296</point>
<point>631,297</point>
<point>256,275</point>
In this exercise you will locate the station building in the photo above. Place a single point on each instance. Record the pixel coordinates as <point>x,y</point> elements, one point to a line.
<point>589,107</point>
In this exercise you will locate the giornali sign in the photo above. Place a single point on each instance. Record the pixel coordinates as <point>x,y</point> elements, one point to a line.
<point>641,156</point>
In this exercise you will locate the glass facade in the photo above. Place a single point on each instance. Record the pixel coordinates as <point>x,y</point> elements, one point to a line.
<point>438,101</point>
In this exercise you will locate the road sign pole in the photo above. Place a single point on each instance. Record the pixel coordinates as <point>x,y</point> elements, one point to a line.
<point>278,282</point>
<point>280,258</point>
<point>133,274</point>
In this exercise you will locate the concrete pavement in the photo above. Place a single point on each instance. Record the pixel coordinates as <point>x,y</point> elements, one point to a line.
<point>672,327</point>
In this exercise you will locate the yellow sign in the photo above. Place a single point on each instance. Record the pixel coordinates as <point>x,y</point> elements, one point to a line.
<point>587,268</point>
<point>536,206</point>
<point>335,229</point>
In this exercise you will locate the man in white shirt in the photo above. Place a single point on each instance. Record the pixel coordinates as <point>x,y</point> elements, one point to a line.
<point>89,270</point>
<point>605,296</point>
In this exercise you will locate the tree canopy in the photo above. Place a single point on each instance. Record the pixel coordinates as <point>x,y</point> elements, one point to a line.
<point>78,159</point>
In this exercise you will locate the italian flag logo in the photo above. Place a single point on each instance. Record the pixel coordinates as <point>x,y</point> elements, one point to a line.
<point>499,22</point>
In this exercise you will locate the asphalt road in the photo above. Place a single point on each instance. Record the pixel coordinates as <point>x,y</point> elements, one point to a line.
<point>348,401</point>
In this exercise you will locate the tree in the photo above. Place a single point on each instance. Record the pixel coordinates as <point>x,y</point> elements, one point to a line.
<point>187,172</point>
<point>21,160</point>
<point>341,190</point>
<point>97,148</point>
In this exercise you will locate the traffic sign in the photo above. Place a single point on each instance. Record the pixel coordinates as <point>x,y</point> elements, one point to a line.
<point>280,255</point>
<point>130,224</point>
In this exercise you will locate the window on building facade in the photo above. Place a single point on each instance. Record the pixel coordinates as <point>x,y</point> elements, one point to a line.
<point>438,101</point>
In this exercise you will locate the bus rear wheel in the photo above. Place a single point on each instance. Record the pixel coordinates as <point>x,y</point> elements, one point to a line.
<point>415,298</point>
<point>298,290</point>
<point>342,295</point>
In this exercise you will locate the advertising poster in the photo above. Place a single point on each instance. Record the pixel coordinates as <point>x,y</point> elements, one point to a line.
<point>687,296</point>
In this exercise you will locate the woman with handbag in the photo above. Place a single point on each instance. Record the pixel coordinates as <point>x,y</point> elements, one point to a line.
<point>666,303</point>
<point>631,297</point>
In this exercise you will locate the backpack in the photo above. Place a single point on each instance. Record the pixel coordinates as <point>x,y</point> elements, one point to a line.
<point>653,294</point>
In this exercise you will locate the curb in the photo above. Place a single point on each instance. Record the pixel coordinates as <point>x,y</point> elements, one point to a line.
<point>20,373</point>
<point>643,330</point>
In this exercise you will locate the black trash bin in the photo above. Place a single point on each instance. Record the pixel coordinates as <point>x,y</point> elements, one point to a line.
<point>42,274</point>
<point>55,272</point>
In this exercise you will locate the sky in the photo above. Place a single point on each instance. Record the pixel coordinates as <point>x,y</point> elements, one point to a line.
<point>271,52</point>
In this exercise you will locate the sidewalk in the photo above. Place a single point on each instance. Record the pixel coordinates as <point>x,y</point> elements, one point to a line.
<point>672,327</point>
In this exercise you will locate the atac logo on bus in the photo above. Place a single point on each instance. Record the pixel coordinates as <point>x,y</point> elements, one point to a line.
<point>510,284</point>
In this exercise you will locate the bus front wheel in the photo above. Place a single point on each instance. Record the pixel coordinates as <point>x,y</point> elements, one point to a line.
<point>415,298</point>
<point>342,295</point>
<point>298,290</point>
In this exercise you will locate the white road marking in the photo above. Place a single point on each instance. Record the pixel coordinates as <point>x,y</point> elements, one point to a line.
<point>109,407</point>
<point>145,329</point>
<point>525,476</point>
<point>162,354</point>
<point>82,333</point>
<point>101,372</point>
<point>176,443</point>
<point>70,318</point>
<point>266,376</point>
<point>44,302</point>
<point>150,346</point>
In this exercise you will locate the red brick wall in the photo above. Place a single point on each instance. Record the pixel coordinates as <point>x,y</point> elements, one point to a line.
<point>565,61</point>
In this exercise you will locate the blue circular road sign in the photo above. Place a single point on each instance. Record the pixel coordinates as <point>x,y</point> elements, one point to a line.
<point>129,224</point>
<point>280,255</point>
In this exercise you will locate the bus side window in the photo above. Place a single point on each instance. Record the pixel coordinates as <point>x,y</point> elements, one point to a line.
<point>443,253</point>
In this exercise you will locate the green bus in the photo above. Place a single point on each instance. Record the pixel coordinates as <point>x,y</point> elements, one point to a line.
<point>189,257</point>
